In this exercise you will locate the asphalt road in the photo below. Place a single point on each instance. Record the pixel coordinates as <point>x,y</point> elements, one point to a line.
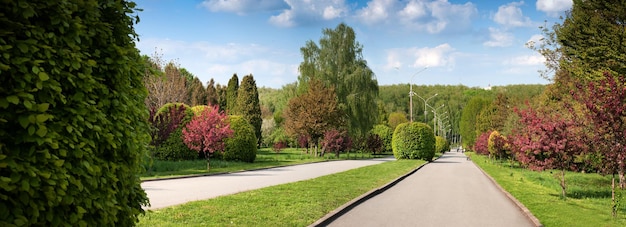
<point>163,193</point>
<point>450,191</point>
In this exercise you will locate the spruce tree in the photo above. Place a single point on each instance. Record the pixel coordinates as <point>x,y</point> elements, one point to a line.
<point>248,104</point>
<point>231,93</point>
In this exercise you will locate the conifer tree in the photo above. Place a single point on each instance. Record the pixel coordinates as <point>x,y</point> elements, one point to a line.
<point>248,104</point>
<point>231,93</point>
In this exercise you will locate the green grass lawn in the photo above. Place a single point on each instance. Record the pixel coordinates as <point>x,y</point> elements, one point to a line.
<point>588,202</point>
<point>294,204</point>
<point>265,158</point>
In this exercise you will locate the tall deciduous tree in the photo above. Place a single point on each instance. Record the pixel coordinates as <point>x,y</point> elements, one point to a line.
<point>313,113</point>
<point>231,93</point>
<point>248,104</point>
<point>205,133</point>
<point>165,83</point>
<point>468,119</point>
<point>338,61</point>
<point>593,38</point>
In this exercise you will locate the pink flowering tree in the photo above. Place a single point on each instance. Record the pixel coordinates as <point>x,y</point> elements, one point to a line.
<point>206,132</point>
<point>548,141</point>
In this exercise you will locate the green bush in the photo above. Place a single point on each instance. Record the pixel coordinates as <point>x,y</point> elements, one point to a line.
<point>441,144</point>
<point>413,141</point>
<point>241,146</point>
<point>174,149</point>
<point>385,133</point>
<point>73,121</point>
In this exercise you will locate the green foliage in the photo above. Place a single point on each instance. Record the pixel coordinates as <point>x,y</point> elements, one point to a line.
<point>497,145</point>
<point>469,118</point>
<point>72,114</point>
<point>413,141</point>
<point>242,145</point>
<point>385,133</point>
<point>338,61</point>
<point>441,144</point>
<point>397,118</point>
<point>248,104</point>
<point>592,38</point>
<point>231,93</point>
<point>173,149</point>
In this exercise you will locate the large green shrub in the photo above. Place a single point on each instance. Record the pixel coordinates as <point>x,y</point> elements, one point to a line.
<point>385,133</point>
<point>72,114</point>
<point>441,144</point>
<point>242,145</point>
<point>174,149</point>
<point>413,141</point>
<point>170,119</point>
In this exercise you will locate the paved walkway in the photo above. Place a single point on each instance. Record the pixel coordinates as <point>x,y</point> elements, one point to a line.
<point>165,193</point>
<point>450,191</point>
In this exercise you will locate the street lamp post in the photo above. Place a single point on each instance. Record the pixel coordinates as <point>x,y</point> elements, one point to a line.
<point>425,106</point>
<point>435,119</point>
<point>411,93</point>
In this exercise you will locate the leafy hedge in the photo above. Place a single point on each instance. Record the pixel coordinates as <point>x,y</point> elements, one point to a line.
<point>242,146</point>
<point>72,114</point>
<point>385,133</point>
<point>413,141</point>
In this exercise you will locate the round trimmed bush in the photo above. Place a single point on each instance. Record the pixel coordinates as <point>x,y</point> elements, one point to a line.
<point>413,141</point>
<point>441,144</point>
<point>241,146</point>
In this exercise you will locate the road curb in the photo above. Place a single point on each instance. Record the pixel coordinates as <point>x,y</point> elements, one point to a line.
<point>519,205</point>
<point>333,215</point>
<point>238,171</point>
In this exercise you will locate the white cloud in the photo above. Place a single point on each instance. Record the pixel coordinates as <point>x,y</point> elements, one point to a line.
<point>376,11</point>
<point>206,60</point>
<point>499,38</point>
<point>244,6</point>
<point>526,60</point>
<point>414,10</point>
<point>511,15</point>
<point>554,7</point>
<point>439,56</point>
<point>441,16</point>
<point>306,11</point>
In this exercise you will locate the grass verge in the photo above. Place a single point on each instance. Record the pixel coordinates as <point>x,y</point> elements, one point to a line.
<point>294,204</point>
<point>157,169</point>
<point>588,202</point>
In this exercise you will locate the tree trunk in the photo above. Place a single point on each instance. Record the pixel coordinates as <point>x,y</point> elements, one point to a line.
<point>614,208</point>
<point>563,186</point>
<point>622,179</point>
<point>208,164</point>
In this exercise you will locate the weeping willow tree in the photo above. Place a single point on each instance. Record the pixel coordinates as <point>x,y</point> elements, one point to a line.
<point>338,61</point>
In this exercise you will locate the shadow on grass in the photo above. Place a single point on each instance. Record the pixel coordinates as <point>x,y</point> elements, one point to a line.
<point>585,194</point>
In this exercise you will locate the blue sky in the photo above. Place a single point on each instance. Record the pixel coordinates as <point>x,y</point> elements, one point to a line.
<point>474,43</point>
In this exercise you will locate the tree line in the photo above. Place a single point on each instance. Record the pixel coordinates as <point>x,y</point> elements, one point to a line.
<point>577,123</point>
